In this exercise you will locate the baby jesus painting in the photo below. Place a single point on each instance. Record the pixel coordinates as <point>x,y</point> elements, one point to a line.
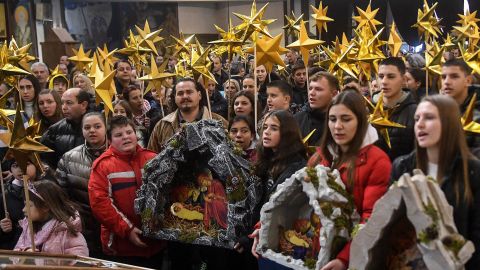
<point>203,200</point>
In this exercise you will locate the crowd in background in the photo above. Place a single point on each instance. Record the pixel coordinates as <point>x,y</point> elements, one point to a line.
<point>82,197</point>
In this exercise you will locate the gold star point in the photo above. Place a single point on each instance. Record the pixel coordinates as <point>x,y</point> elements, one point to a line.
<point>304,43</point>
<point>320,17</point>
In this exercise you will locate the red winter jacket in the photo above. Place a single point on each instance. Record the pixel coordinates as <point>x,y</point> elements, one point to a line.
<point>372,173</point>
<point>115,178</point>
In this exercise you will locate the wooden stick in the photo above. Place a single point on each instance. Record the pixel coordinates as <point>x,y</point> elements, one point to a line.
<point>27,205</point>
<point>426,82</point>
<point>255,91</point>
<point>209,106</point>
<point>3,193</point>
<point>227,94</point>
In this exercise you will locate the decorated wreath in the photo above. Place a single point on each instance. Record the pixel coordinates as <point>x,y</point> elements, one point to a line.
<point>308,219</point>
<point>199,189</point>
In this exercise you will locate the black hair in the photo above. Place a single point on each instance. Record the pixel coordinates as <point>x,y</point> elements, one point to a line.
<point>130,88</point>
<point>284,87</point>
<point>83,96</point>
<point>418,75</point>
<point>246,119</point>
<point>394,61</point>
<point>198,86</point>
<point>458,63</point>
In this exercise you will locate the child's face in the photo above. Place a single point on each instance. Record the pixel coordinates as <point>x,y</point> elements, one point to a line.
<point>271,133</point>
<point>18,173</point>
<point>119,110</point>
<point>36,214</point>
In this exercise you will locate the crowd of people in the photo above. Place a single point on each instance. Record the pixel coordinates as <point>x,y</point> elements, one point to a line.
<point>82,199</point>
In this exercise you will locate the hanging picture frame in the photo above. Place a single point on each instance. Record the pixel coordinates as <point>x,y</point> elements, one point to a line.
<point>3,22</point>
<point>22,23</point>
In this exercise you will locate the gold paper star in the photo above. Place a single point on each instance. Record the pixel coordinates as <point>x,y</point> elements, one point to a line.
<point>427,24</point>
<point>229,43</point>
<point>338,62</point>
<point>103,89</point>
<point>368,53</point>
<point>379,119</point>
<point>22,147</point>
<point>182,45</point>
<point>156,75</point>
<point>433,58</point>
<point>103,54</point>
<point>367,18</point>
<point>81,58</point>
<point>148,38</point>
<point>292,27</point>
<point>394,41</point>
<point>320,17</point>
<point>7,69</point>
<point>472,59</point>
<point>304,43</point>
<point>200,64</point>
<point>448,44</point>
<point>253,23</point>
<point>467,119</point>
<point>268,52</point>
<point>20,56</point>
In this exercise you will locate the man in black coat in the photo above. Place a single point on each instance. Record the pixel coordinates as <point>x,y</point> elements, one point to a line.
<point>298,79</point>
<point>457,83</point>
<point>67,133</point>
<point>323,87</point>
<point>402,107</point>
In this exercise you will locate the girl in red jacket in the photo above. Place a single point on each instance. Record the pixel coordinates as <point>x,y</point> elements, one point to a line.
<point>115,178</point>
<point>347,147</point>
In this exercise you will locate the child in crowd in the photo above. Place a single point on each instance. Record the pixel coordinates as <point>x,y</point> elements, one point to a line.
<point>56,222</point>
<point>242,132</point>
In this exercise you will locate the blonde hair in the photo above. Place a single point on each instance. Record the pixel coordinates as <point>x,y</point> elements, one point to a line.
<point>89,88</point>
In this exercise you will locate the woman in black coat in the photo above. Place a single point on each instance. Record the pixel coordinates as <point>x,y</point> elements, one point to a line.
<point>442,152</point>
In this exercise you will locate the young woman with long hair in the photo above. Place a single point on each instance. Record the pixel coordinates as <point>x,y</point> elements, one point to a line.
<point>441,151</point>
<point>347,146</point>
<point>29,87</point>
<point>243,104</point>
<point>280,153</point>
<point>49,108</point>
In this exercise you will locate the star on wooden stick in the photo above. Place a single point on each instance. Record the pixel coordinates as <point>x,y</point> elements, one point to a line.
<point>379,120</point>
<point>367,18</point>
<point>320,17</point>
<point>253,23</point>
<point>304,43</point>
<point>81,58</point>
<point>103,84</point>
<point>394,41</point>
<point>229,43</point>
<point>433,58</point>
<point>468,123</point>
<point>472,59</point>
<point>292,27</point>
<point>22,147</point>
<point>269,51</point>
<point>156,75</point>
<point>6,68</point>
<point>149,38</point>
<point>427,24</point>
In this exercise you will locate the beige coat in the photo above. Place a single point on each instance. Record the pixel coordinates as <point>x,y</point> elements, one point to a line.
<point>169,125</point>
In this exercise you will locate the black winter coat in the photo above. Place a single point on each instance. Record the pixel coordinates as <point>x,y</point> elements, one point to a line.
<point>300,95</point>
<point>219,104</point>
<point>61,138</point>
<point>15,203</point>
<point>309,120</point>
<point>466,216</point>
<point>401,139</point>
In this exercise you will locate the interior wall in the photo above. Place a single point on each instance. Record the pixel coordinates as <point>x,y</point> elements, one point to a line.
<point>199,18</point>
